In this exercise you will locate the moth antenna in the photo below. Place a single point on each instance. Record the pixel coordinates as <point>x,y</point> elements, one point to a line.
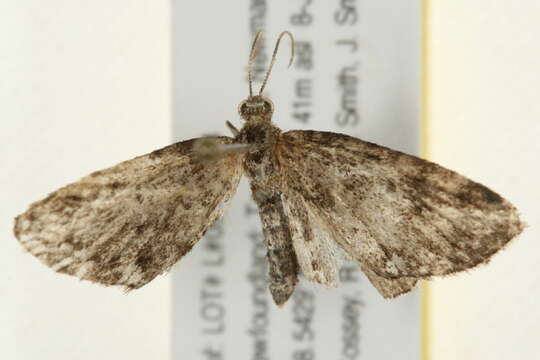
<point>252,56</point>
<point>276,47</point>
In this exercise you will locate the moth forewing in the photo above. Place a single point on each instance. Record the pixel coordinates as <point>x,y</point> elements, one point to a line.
<point>129,223</point>
<point>398,215</point>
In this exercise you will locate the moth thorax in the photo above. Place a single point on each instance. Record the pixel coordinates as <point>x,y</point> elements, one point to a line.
<point>256,106</point>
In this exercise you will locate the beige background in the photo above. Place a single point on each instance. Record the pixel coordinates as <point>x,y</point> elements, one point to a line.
<point>84,85</point>
<point>485,123</point>
<point>71,69</point>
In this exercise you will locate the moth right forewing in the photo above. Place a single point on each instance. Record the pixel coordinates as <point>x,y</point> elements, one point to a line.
<point>399,215</point>
<point>129,223</point>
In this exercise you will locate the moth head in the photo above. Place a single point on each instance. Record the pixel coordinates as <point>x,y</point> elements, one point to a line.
<point>256,106</point>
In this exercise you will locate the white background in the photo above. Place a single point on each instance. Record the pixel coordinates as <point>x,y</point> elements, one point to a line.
<point>67,96</point>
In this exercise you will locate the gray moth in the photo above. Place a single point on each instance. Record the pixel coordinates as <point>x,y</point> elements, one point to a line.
<point>321,196</point>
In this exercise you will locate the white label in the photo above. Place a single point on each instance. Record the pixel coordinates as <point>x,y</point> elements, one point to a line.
<point>356,71</point>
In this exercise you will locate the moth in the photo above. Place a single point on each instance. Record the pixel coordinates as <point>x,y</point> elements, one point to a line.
<point>322,197</point>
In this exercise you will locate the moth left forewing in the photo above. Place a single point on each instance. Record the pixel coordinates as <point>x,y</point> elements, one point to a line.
<point>129,223</point>
<point>396,214</point>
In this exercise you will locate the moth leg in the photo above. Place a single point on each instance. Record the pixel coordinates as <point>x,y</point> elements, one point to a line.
<point>208,149</point>
<point>283,265</point>
<point>233,128</point>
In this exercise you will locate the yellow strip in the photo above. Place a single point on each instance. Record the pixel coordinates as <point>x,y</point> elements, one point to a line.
<point>424,81</point>
<point>424,150</point>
